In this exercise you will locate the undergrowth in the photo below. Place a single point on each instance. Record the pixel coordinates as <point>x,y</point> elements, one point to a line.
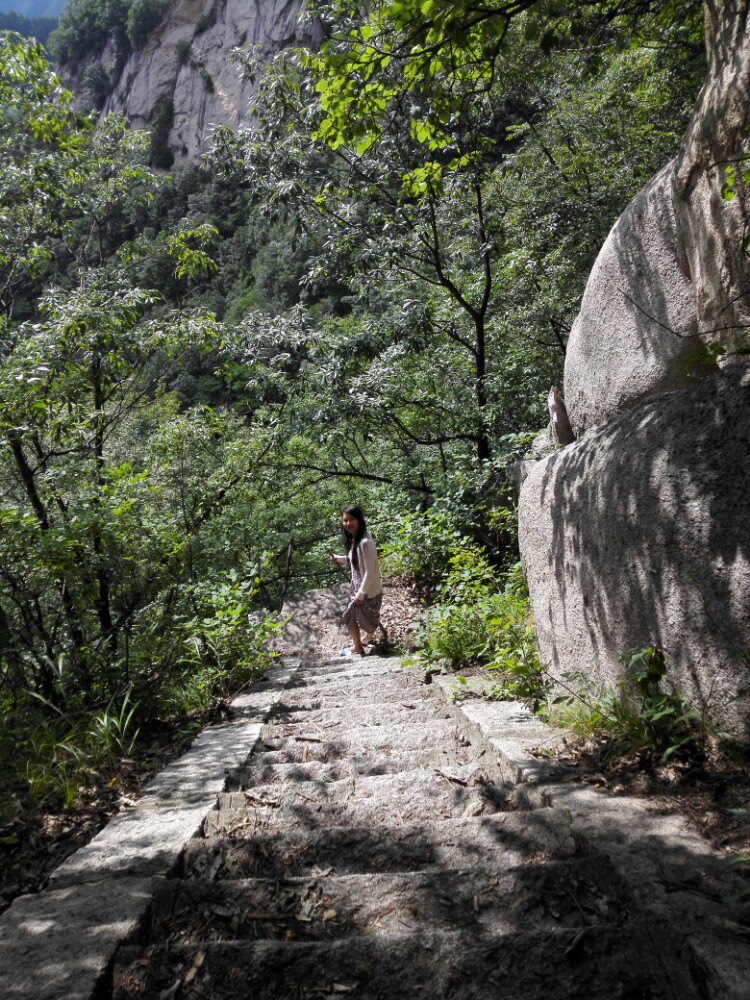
<point>639,719</point>
<point>481,620</point>
<point>55,750</point>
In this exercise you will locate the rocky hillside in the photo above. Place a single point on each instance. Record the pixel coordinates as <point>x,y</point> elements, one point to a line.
<point>178,76</point>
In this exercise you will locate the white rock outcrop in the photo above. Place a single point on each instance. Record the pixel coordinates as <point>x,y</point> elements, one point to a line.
<point>638,534</point>
<point>636,328</point>
<point>713,230</point>
<point>185,72</point>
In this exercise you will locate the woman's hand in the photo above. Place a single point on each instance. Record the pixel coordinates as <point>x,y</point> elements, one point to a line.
<point>331,556</point>
<point>359,600</point>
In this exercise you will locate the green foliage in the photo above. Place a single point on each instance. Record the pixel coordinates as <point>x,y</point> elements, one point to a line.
<point>126,590</point>
<point>640,719</point>
<point>227,632</point>
<point>95,87</point>
<point>86,26</point>
<point>421,545</point>
<point>162,117</point>
<point>39,28</point>
<point>482,617</point>
<point>183,48</point>
<point>143,17</point>
<point>436,55</point>
<point>112,733</point>
<point>206,20</point>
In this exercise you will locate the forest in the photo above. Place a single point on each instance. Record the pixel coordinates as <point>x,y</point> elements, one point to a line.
<point>363,298</point>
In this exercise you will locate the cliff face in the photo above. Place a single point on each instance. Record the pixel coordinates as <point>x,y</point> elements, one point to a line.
<point>184,82</point>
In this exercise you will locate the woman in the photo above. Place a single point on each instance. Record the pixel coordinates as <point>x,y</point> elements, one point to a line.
<point>366,588</point>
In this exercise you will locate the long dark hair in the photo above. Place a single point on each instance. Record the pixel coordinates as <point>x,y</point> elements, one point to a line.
<point>352,541</point>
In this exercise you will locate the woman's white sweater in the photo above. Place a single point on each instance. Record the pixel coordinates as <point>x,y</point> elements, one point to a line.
<point>371,583</point>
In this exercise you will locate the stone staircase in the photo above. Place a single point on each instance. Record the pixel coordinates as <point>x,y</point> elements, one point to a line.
<point>368,849</point>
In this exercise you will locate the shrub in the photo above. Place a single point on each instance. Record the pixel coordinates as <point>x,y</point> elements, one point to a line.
<point>143,17</point>
<point>160,155</point>
<point>95,86</point>
<point>420,545</point>
<point>206,20</point>
<point>639,718</point>
<point>183,50</point>
<point>483,617</point>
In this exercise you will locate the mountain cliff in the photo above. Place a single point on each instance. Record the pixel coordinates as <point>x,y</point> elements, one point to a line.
<point>178,76</point>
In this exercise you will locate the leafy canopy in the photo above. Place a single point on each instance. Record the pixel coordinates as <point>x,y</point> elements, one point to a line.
<point>379,56</point>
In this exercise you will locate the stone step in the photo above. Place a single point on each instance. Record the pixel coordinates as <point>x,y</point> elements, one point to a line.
<point>298,751</point>
<point>315,699</point>
<point>630,962</point>
<point>404,712</point>
<point>574,893</point>
<point>368,673</point>
<point>500,841</point>
<point>373,738</point>
<point>370,663</point>
<point>410,795</point>
<point>269,768</point>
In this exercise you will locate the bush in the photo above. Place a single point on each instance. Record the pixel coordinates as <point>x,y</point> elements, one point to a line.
<point>483,618</point>
<point>183,50</point>
<point>95,87</point>
<point>86,26</point>
<point>160,155</point>
<point>421,545</point>
<point>206,21</point>
<point>639,719</point>
<point>143,17</point>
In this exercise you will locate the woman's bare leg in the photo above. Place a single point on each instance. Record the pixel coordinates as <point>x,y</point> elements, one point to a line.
<point>356,638</point>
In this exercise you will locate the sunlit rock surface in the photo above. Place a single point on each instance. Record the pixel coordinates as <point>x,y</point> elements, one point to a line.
<point>713,229</point>
<point>185,81</point>
<point>638,534</point>
<point>636,328</point>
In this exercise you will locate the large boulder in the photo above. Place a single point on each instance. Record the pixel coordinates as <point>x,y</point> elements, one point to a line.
<point>638,534</point>
<point>674,275</point>
<point>635,332</point>
<point>713,228</point>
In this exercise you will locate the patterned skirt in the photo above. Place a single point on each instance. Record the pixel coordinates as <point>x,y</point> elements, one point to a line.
<point>367,615</point>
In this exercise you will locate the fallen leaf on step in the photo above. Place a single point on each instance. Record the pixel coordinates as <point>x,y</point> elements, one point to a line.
<point>344,987</point>
<point>383,913</point>
<point>193,971</point>
<point>329,915</point>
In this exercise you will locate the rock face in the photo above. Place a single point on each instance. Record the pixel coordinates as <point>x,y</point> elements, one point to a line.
<point>674,273</point>
<point>636,329</point>
<point>638,534</point>
<point>711,228</point>
<point>184,80</point>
